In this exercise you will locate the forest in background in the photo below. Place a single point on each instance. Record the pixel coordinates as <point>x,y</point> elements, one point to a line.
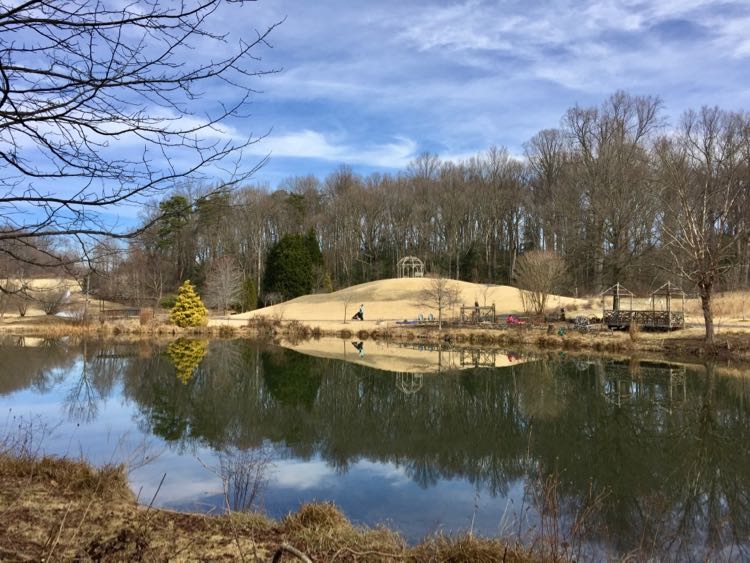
<point>616,191</point>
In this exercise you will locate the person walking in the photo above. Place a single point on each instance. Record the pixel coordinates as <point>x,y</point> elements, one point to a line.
<point>360,315</point>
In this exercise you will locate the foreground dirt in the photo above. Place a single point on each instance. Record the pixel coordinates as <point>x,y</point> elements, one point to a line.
<point>63,510</point>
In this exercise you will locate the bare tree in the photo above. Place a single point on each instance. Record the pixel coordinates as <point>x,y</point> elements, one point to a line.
<point>223,284</point>
<point>704,174</point>
<point>244,476</point>
<point>52,300</point>
<point>537,274</point>
<point>349,297</point>
<point>22,303</point>
<point>611,170</point>
<point>81,80</point>
<point>5,301</point>
<point>440,294</point>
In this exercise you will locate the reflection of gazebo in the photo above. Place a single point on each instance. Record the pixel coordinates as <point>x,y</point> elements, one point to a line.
<point>409,383</point>
<point>410,267</point>
<point>661,385</point>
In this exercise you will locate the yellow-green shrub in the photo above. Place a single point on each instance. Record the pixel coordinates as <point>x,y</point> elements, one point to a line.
<point>188,308</point>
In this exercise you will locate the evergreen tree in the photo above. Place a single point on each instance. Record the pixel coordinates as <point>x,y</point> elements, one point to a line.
<point>313,247</point>
<point>188,309</point>
<point>289,268</point>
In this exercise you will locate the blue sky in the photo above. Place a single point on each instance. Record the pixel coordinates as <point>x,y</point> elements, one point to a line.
<point>374,84</point>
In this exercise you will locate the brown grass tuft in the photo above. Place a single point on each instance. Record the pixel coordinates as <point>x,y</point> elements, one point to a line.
<point>106,482</point>
<point>316,515</point>
<point>321,528</point>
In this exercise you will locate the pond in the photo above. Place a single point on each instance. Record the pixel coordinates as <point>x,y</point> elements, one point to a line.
<point>605,456</point>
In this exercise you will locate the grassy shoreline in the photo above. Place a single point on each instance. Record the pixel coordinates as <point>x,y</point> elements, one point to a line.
<point>684,345</point>
<point>62,509</point>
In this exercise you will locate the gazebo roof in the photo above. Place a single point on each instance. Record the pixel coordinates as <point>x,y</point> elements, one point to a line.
<point>619,290</point>
<point>668,289</point>
<point>410,261</point>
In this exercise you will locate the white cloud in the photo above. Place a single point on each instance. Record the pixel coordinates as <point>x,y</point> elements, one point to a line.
<point>316,145</point>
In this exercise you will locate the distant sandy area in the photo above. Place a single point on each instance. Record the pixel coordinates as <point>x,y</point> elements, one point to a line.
<point>41,286</point>
<point>388,301</point>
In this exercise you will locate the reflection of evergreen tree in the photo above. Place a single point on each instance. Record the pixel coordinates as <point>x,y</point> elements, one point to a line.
<point>166,420</point>
<point>291,378</point>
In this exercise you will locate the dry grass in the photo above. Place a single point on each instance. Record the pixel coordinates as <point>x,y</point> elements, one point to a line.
<point>466,547</point>
<point>107,482</point>
<point>727,306</point>
<point>60,509</point>
<point>321,528</point>
<point>53,327</point>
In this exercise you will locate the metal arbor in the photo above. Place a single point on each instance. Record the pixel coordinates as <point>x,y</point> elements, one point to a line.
<point>410,267</point>
<point>667,318</point>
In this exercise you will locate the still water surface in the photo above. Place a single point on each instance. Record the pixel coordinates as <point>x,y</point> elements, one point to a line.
<point>656,456</point>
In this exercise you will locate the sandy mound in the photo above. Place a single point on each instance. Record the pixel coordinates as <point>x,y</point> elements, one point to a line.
<point>403,358</point>
<point>394,299</point>
<point>46,284</point>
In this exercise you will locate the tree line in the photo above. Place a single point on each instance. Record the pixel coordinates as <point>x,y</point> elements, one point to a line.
<point>613,191</point>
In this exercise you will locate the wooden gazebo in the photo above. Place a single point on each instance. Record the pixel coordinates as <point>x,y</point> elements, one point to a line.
<point>667,318</point>
<point>650,319</point>
<point>616,317</point>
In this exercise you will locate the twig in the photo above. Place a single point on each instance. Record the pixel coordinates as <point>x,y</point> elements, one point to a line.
<point>362,553</point>
<point>59,532</point>
<point>154,497</point>
<point>293,550</point>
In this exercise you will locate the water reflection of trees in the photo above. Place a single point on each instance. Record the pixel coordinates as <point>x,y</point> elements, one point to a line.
<point>674,475</point>
<point>672,463</point>
<point>670,451</point>
<point>41,365</point>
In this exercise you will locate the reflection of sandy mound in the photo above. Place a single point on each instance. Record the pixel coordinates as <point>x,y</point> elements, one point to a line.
<point>380,355</point>
<point>393,299</point>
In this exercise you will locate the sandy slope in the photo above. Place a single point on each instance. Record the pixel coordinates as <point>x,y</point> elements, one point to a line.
<point>46,284</point>
<point>40,286</point>
<point>391,300</point>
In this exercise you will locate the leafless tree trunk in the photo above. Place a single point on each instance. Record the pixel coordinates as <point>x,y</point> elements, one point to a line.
<point>703,177</point>
<point>223,284</point>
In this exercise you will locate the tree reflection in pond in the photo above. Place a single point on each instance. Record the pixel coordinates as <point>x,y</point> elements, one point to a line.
<point>666,448</point>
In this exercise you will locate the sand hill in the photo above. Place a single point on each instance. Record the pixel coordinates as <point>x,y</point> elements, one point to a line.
<point>393,300</point>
